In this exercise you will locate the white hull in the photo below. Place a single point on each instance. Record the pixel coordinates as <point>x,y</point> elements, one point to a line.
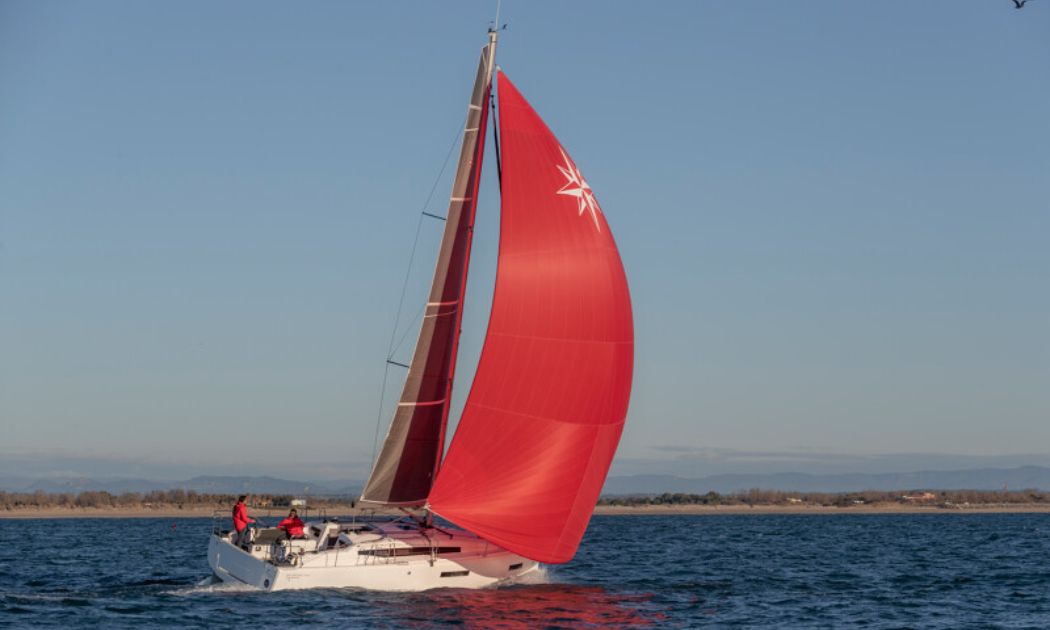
<point>389,556</point>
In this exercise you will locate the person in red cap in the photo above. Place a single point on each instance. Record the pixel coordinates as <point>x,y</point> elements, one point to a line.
<point>292,525</point>
<point>241,519</point>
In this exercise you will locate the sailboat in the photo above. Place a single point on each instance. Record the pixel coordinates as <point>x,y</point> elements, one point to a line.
<point>544,414</point>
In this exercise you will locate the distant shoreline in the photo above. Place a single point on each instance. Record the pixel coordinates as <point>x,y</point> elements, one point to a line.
<point>174,512</point>
<point>878,508</point>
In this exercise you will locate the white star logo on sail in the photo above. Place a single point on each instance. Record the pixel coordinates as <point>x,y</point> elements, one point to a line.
<point>577,187</point>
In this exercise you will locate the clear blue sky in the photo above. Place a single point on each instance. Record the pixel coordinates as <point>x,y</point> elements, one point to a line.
<point>834,216</point>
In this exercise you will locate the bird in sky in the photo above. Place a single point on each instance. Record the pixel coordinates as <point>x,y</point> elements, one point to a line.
<point>1019,3</point>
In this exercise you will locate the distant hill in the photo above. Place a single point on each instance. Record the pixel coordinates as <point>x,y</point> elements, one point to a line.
<point>972,479</point>
<point>1037,477</point>
<point>75,485</point>
<point>210,484</point>
<point>235,485</point>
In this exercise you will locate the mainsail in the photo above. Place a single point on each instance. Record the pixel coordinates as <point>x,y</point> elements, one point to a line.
<point>404,471</point>
<point>549,399</point>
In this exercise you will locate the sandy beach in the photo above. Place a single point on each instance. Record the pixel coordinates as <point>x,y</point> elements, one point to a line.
<point>601,510</point>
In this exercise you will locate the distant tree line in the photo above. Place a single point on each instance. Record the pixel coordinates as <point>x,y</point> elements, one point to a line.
<point>757,496</point>
<point>189,498</point>
<point>157,498</point>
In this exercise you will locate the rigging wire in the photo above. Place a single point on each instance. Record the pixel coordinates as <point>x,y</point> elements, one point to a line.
<point>495,139</point>
<point>391,348</point>
<point>408,328</point>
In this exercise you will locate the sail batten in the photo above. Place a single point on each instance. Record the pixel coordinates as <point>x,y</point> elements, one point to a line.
<point>404,471</point>
<point>550,395</point>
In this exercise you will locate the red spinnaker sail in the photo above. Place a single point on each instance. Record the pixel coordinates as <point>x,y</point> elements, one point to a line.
<point>550,396</point>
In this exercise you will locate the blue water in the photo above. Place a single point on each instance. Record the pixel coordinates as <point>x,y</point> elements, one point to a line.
<point>834,571</point>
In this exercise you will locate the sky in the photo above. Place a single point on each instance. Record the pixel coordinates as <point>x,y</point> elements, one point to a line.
<point>833,215</point>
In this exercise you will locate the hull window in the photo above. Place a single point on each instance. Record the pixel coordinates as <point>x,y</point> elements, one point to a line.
<point>407,551</point>
<point>454,573</point>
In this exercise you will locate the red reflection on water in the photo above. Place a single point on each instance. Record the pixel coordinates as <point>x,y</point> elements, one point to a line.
<point>538,606</point>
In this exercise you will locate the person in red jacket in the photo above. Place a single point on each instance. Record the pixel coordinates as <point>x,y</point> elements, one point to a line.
<point>292,525</point>
<point>240,518</point>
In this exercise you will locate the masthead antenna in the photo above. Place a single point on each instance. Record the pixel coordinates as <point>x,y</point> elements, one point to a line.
<point>495,26</point>
<point>493,35</point>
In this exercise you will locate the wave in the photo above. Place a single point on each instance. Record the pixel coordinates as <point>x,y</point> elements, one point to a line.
<point>211,585</point>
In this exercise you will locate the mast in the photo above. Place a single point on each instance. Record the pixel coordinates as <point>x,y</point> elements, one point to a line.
<point>411,454</point>
<point>488,63</point>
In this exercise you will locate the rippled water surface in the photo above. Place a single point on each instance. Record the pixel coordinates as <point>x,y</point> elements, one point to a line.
<point>878,571</point>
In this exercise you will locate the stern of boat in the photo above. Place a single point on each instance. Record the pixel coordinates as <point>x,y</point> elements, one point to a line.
<point>234,565</point>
